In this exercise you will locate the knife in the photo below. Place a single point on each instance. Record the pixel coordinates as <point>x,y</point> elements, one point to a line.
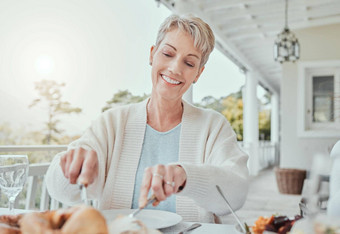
<point>83,193</point>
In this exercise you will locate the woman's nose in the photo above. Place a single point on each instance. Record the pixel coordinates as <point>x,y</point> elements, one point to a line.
<point>175,67</point>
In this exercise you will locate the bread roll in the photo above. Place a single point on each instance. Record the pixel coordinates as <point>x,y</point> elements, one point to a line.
<point>78,219</point>
<point>86,220</point>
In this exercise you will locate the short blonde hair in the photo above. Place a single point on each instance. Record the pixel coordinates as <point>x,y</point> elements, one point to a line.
<point>201,33</point>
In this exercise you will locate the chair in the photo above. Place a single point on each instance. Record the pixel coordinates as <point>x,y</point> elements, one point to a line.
<point>36,178</point>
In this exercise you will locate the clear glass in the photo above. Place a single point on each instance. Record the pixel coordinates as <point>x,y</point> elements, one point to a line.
<point>315,193</point>
<point>13,175</point>
<point>315,188</point>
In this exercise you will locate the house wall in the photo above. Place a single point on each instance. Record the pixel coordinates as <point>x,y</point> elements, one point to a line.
<point>317,44</point>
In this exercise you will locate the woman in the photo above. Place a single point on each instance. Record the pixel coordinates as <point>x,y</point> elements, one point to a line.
<point>175,147</point>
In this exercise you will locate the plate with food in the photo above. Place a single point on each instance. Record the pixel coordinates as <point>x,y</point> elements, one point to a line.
<point>274,224</point>
<point>154,219</point>
<point>78,219</point>
<point>320,223</point>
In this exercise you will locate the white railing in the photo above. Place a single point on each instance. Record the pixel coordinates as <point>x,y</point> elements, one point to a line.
<point>31,148</point>
<point>268,154</point>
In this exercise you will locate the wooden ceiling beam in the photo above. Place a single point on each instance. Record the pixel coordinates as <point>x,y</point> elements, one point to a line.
<point>221,5</point>
<point>311,22</point>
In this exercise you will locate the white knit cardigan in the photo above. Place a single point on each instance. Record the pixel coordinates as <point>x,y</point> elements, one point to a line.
<point>208,152</point>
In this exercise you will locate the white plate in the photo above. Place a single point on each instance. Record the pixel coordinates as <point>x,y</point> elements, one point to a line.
<point>154,219</point>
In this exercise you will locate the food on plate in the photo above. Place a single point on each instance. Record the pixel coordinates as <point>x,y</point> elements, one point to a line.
<point>246,227</point>
<point>324,227</point>
<point>319,224</point>
<point>128,225</point>
<point>78,219</point>
<point>8,229</point>
<point>9,224</point>
<point>277,224</point>
<point>260,224</point>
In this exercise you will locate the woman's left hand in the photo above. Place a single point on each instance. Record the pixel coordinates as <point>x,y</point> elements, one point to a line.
<point>164,180</point>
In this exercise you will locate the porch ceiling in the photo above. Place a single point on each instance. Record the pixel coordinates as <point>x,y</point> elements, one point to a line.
<point>247,28</point>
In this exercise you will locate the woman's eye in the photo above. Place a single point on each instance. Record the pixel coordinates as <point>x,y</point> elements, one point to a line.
<point>167,55</point>
<point>190,65</point>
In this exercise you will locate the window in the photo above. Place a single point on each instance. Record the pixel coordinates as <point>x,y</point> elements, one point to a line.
<point>323,99</point>
<point>319,99</point>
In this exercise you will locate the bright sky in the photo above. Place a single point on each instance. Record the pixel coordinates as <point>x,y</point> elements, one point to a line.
<point>95,47</point>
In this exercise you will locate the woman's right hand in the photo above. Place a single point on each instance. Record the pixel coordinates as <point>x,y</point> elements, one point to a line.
<point>80,165</point>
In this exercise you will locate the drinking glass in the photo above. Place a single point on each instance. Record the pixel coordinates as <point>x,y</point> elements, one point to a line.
<point>314,193</point>
<point>13,175</point>
<point>316,220</point>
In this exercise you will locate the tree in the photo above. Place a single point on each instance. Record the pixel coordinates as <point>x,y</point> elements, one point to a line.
<point>264,117</point>
<point>122,98</point>
<point>7,137</point>
<point>233,111</point>
<point>232,108</point>
<point>264,124</point>
<point>211,103</point>
<point>50,96</point>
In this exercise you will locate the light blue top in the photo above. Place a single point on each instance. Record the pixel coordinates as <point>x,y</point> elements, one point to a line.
<point>158,148</point>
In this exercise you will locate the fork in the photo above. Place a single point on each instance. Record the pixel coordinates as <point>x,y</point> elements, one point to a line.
<point>151,200</point>
<point>190,228</point>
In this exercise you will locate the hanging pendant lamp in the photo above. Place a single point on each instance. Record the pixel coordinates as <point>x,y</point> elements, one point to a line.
<point>286,46</point>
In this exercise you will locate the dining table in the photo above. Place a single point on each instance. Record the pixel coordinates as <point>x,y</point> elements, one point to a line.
<point>175,229</point>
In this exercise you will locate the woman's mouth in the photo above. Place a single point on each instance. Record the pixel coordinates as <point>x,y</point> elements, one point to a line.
<point>169,80</point>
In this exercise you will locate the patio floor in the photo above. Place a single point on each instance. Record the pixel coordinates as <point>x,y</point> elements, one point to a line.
<point>264,199</point>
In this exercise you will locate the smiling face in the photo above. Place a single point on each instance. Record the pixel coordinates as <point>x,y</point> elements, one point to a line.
<point>175,65</point>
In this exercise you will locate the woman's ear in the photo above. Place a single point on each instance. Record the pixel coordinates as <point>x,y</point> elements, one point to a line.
<point>152,52</point>
<point>199,74</point>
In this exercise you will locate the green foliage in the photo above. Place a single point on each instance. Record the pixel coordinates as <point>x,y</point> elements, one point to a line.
<point>6,134</point>
<point>122,98</point>
<point>233,111</point>
<point>211,103</point>
<point>20,136</point>
<point>232,108</point>
<point>264,124</point>
<point>50,96</point>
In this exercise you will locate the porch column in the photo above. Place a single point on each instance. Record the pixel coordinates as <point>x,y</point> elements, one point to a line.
<point>251,122</point>
<point>274,124</point>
